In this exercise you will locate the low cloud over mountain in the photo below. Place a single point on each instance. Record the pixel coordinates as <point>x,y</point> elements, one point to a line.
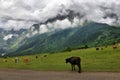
<point>53,14</point>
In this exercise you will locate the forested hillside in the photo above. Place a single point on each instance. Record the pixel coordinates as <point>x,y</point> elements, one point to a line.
<point>90,34</point>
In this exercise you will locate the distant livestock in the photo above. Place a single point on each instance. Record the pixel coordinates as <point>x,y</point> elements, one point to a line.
<point>114,47</point>
<point>5,60</point>
<point>36,57</point>
<point>97,48</point>
<point>16,60</point>
<point>45,55</point>
<point>74,61</point>
<point>25,60</point>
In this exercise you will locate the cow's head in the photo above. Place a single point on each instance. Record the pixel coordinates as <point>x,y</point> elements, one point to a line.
<point>67,60</point>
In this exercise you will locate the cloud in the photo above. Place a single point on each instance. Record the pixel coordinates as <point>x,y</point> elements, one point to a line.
<point>8,37</point>
<point>58,13</point>
<point>63,24</point>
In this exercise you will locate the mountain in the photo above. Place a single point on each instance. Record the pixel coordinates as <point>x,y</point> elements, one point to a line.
<point>90,34</point>
<point>8,38</point>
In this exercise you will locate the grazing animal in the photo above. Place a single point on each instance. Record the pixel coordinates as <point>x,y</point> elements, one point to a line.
<point>36,57</point>
<point>74,61</point>
<point>114,47</point>
<point>45,55</point>
<point>25,60</point>
<point>97,48</point>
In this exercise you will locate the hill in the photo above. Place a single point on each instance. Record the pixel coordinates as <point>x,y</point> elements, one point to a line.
<point>8,38</point>
<point>90,34</point>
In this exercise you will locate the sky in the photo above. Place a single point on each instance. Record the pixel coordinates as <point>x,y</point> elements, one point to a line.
<point>19,14</point>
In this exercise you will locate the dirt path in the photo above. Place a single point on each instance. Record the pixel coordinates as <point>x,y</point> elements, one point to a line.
<point>55,75</point>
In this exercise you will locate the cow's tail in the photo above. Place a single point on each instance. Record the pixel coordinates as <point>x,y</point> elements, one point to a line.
<point>80,70</point>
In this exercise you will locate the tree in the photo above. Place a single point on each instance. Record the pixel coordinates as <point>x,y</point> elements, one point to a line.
<point>68,49</point>
<point>86,46</point>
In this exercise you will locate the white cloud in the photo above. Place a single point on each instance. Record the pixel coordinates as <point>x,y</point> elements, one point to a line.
<point>43,29</point>
<point>16,24</point>
<point>8,37</point>
<point>62,24</point>
<point>23,13</point>
<point>107,20</point>
<point>5,4</point>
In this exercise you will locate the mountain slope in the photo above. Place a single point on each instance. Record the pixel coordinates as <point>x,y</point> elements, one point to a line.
<point>91,34</point>
<point>8,38</point>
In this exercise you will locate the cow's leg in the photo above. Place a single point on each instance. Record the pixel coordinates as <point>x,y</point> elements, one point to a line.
<point>79,66</point>
<point>72,67</point>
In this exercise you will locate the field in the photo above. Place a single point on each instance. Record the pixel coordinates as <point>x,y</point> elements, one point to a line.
<point>107,59</point>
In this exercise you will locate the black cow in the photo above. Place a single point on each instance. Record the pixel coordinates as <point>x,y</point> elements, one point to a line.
<point>74,61</point>
<point>97,48</point>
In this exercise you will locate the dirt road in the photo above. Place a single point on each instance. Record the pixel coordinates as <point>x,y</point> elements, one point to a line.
<point>56,75</point>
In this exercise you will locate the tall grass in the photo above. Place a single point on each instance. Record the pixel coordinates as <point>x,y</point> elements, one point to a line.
<point>107,59</point>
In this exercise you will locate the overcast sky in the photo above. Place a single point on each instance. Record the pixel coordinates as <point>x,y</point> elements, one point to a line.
<point>23,13</point>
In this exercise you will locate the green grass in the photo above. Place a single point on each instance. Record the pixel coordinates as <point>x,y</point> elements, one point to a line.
<point>92,60</point>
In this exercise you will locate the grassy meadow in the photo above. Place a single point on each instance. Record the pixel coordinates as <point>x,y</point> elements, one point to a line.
<point>107,59</point>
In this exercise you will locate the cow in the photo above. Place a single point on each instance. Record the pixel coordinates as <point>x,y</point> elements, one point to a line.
<point>97,48</point>
<point>36,57</point>
<point>25,60</point>
<point>114,47</point>
<point>74,61</point>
